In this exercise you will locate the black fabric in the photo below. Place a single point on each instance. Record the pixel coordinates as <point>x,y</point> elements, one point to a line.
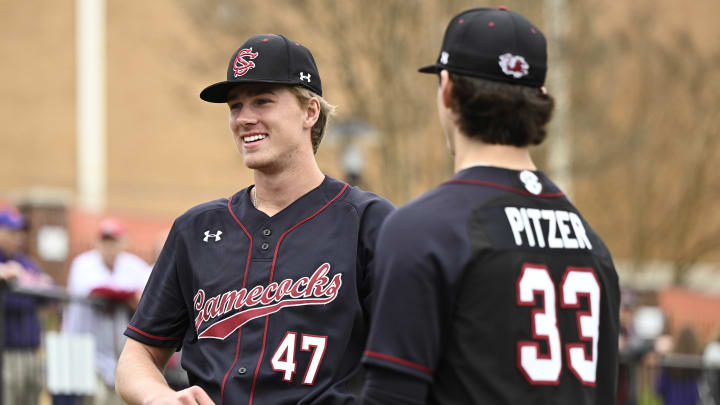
<point>384,386</point>
<point>476,41</point>
<point>463,273</point>
<point>322,245</point>
<point>267,58</point>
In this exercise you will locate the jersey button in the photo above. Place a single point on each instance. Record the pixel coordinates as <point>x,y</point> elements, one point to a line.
<point>242,370</point>
<point>265,246</point>
<point>266,232</point>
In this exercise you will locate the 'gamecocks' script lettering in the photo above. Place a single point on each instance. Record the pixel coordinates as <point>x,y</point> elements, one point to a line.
<point>318,289</point>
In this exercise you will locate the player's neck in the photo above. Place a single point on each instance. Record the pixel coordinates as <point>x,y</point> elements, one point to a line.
<point>470,152</point>
<point>275,191</point>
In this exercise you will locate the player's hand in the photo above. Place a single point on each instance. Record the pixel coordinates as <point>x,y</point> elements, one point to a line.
<point>189,396</point>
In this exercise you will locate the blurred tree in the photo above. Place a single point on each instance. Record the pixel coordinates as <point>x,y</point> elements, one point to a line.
<point>368,53</point>
<point>645,100</point>
<point>644,97</point>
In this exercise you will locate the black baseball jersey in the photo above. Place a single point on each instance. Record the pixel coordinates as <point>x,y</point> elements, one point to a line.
<point>494,290</point>
<point>268,310</point>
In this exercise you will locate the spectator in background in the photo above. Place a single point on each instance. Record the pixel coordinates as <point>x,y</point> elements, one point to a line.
<point>710,394</point>
<point>117,276</point>
<point>23,370</point>
<point>679,386</point>
<point>628,349</point>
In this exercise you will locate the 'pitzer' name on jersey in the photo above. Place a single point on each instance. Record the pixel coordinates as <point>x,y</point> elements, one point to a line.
<point>318,289</point>
<point>554,229</point>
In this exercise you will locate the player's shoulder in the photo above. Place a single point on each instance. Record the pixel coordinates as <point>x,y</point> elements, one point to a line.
<point>206,207</point>
<point>363,200</point>
<point>427,215</point>
<point>201,211</point>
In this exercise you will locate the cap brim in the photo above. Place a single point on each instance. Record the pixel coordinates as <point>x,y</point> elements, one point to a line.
<point>218,92</point>
<point>430,69</point>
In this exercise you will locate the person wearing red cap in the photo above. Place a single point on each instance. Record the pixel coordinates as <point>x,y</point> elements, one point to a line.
<point>110,273</point>
<point>22,374</point>
<point>492,288</point>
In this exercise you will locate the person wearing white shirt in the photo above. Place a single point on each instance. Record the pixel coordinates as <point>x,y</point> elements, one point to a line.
<point>118,277</point>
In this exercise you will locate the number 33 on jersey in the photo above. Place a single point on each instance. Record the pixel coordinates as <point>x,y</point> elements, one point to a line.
<point>545,369</point>
<point>504,295</point>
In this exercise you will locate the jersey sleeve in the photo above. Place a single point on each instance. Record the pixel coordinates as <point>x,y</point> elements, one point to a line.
<point>161,318</point>
<point>607,367</point>
<point>385,386</point>
<point>411,303</point>
<point>370,222</point>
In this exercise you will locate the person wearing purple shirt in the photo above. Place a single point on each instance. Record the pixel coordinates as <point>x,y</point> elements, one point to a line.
<point>676,385</point>
<point>23,367</point>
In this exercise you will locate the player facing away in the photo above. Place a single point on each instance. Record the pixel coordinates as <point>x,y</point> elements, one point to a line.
<point>492,288</point>
<point>265,291</point>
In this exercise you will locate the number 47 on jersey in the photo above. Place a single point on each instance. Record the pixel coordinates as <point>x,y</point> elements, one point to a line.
<point>545,369</point>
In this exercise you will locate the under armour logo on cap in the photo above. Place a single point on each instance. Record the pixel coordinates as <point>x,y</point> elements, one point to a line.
<point>215,235</point>
<point>444,58</point>
<point>305,77</point>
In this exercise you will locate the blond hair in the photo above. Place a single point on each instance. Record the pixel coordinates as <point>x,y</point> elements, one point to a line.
<point>327,110</point>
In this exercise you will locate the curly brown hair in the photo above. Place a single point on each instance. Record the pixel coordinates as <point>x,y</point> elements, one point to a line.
<point>500,113</point>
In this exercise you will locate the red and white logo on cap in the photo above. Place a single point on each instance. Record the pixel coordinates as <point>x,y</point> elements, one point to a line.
<point>242,66</point>
<point>514,65</point>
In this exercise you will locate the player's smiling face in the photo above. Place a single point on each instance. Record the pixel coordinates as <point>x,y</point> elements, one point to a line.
<point>270,127</point>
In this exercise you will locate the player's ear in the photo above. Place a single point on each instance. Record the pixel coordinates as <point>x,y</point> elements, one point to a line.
<point>446,86</point>
<point>312,112</point>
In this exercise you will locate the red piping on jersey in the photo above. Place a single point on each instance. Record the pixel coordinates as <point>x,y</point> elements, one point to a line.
<point>398,361</point>
<point>247,266</point>
<point>151,336</point>
<point>272,271</point>
<point>503,187</point>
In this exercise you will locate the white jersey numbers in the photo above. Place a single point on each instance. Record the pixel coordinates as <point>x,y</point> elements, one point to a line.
<point>283,359</point>
<point>317,345</point>
<point>544,368</point>
<point>539,368</point>
<point>577,282</point>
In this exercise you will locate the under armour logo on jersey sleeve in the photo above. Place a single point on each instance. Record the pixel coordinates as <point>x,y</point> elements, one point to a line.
<point>215,235</point>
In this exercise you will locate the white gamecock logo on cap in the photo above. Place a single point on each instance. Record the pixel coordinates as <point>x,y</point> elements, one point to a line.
<point>531,181</point>
<point>242,66</point>
<point>514,65</point>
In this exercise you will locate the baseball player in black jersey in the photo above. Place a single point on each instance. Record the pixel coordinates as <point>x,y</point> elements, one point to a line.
<point>266,291</point>
<point>492,288</point>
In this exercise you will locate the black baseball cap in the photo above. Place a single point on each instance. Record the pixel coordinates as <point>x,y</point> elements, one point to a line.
<point>267,58</point>
<point>494,44</point>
